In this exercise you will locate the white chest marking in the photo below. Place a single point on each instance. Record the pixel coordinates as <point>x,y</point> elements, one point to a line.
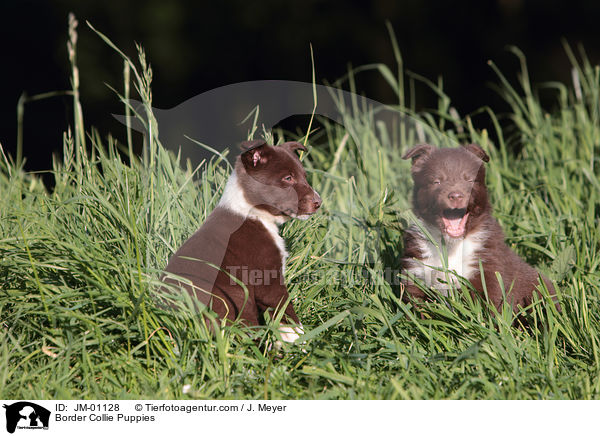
<point>233,199</point>
<point>458,255</point>
<point>279,242</point>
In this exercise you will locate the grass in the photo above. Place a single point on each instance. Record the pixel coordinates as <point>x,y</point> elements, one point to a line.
<point>79,263</point>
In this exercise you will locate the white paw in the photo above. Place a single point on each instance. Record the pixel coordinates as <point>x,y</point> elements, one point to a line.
<point>290,334</point>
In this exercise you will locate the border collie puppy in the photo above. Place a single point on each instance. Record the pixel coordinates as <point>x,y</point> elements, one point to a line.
<point>239,242</point>
<point>450,200</point>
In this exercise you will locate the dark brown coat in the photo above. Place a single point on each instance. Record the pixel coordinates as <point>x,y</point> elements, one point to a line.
<point>235,261</point>
<point>242,248</point>
<point>450,198</point>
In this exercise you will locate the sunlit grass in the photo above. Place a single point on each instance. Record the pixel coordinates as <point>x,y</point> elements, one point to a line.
<point>79,266</point>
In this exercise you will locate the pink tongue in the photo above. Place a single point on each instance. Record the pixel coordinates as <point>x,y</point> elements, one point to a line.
<point>455,227</point>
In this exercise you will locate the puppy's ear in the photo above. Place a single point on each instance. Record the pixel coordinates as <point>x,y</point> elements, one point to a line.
<point>477,151</point>
<point>256,153</point>
<point>417,154</point>
<point>293,146</point>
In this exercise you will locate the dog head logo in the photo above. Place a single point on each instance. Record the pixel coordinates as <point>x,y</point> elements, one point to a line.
<point>26,415</point>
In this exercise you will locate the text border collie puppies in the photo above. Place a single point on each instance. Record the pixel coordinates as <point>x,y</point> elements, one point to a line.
<point>451,202</point>
<point>239,241</point>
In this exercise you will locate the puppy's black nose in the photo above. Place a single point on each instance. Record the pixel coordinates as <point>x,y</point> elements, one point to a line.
<point>455,196</point>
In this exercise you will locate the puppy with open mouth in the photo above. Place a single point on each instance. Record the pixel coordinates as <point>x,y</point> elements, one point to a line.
<point>235,262</point>
<point>457,231</point>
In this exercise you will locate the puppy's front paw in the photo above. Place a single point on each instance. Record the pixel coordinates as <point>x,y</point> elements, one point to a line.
<point>290,334</point>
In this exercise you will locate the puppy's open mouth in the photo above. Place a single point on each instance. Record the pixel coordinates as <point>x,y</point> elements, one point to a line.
<point>455,222</point>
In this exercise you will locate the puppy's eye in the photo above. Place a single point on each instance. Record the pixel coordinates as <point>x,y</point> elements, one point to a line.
<point>436,182</point>
<point>288,179</point>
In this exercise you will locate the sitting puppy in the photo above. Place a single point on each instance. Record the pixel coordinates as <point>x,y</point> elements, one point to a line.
<point>451,201</point>
<point>239,241</point>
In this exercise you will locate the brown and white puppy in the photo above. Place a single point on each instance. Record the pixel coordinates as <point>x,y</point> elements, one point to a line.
<point>239,241</point>
<point>451,201</point>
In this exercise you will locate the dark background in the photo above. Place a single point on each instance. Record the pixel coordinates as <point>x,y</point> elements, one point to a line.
<point>196,46</point>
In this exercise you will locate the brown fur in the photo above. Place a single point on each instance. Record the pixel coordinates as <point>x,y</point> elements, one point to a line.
<point>449,183</point>
<point>238,244</point>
